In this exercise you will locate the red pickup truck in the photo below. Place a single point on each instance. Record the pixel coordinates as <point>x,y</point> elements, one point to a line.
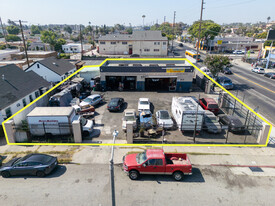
<point>155,161</point>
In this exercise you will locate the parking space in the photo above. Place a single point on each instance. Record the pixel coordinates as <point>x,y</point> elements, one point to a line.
<point>106,122</point>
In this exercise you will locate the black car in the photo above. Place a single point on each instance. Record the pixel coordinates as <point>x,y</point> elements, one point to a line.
<point>180,45</point>
<point>227,70</point>
<point>134,55</point>
<point>234,123</point>
<point>32,164</point>
<point>270,75</point>
<point>115,104</point>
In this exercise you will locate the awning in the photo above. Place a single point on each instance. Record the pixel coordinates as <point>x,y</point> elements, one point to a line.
<point>154,77</point>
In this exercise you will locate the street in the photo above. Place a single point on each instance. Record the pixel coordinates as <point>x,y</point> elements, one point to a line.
<point>89,184</point>
<point>254,89</point>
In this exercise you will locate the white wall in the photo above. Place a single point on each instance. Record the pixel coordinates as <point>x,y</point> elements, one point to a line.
<point>45,73</point>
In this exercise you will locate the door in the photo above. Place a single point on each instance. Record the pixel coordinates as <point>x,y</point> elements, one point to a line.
<point>153,166</point>
<point>19,169</point>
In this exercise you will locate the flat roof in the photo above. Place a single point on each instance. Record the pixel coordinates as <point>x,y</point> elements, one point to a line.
<point>51,111</point>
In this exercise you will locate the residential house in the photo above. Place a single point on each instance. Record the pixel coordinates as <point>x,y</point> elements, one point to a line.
<point>75,48</point>
<point>18,89</point>
<point>52,69</point>
<point>143,43</point>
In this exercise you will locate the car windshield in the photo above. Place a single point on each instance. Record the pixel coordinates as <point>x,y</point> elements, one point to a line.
<point>164,115</point>
<point>17,161</point>
<point>87,100</point>
<point>141,157</point>
<point>129,118</point>
<point>144,102</point>
<point>213,106</point>
<point>146,115</point>
<point>211,119</point>
<point>227,82</point>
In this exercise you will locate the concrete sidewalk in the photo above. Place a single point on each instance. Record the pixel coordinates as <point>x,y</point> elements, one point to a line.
<point>230,156</point>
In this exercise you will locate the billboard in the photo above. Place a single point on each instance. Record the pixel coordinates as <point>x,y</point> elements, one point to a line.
<point>271,35</point>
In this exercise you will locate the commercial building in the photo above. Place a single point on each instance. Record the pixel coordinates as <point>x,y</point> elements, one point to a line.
<point>143,43</point>
<point>75,48</point>
<point>147,75</point>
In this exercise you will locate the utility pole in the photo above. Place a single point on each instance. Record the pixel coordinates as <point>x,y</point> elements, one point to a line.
<point>25,48</point>
<point>196,119</point>
<point>112,176</point>
<point>80,36</point>
<point>199,38</point>
<point>173,31</point>
<point>164,19</point>
<point>4,32</point>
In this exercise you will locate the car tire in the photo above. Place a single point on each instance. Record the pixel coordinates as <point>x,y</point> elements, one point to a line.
<point>40,174</point>
<point>134,175</point>
<point>5,174</point>
<point>178,176</point>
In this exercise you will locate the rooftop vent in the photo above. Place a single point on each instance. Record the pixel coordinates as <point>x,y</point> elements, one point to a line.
<point>3,76</point>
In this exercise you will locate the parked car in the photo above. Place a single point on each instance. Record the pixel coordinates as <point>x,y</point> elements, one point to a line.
<point>258,70</point>
<point>238,52</point>
<point>129,117</point>
<point>134,55</point>
<point>164,119</point>
<point>91,100</point>
<point>145,119</point>
<point>225,82</point>
<point>205,70</point>
<point>180,45</point>
<point>234,123</point>
<point>32,164</point>
<point>226,70</point>
<point>270,75</point>
<point>209,104</point>
<point>211,123</point>
<point>143,104</point>
<point>155,161</point>
<point>115,104</point>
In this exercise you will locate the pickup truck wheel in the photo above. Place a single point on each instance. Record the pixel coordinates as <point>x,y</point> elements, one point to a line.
<point>178,176</point>
<point>5,174</point>
<point>133,175</point>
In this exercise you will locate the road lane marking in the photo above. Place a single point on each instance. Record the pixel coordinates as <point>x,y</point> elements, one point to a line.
<point>254,83</point>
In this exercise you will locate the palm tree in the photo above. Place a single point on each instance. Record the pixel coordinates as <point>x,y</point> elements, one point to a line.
<point>143,16</point>
<point>268,18</point>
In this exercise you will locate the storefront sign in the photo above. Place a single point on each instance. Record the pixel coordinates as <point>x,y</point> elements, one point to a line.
<point>175,70</point>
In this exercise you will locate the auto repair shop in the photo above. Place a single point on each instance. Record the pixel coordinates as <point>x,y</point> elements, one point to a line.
<point>146,75</point>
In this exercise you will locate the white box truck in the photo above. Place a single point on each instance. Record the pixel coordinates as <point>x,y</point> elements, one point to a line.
<point>184,110</point>
<point>56,121</point>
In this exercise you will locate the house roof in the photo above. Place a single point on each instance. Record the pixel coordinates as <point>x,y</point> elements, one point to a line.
<point>59,66</point>
<point>16,84</point>
<point>136,36</point>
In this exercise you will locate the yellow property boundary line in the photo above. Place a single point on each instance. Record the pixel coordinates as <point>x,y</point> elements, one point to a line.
<point>110,144</point>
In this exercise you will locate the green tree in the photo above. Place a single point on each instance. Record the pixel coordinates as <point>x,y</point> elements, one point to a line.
<point>2,47</point>
<point>13,29</point>
<point>35,29</point>
<point>10,22</point>
<point>88,30</point>
<point>12,37</point>
<point>48,37</point>
<point>209,29</point>
<point>1,35</point>
<point>261,35</point>
<point>68,29</point>
<point>129,30</point>
<point>58,44</point>
<point>216,63</point>
<point>119,27</point>
<point>268,43</point>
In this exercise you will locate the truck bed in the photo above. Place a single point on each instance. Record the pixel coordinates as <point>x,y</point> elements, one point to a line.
<point>177,159</point>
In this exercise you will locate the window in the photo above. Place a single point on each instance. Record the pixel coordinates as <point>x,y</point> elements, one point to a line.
<point>146,50</point>
<point>158,43</point>
<point>8,112</point>
<point>36,94</point>
<point>155,162</point>
<point>155,43</point>
<point>24,102</point>
<point>156,50</point>
<point>102,42</point>
<point>113,42</point>
<point>164,43</point>
<point>124,42</point>
<point>30,97</point>
<point>38,66</point>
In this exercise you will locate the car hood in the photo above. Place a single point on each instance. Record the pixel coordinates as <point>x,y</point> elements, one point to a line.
<point>166,121</point>
<point>144,107</point>
<point>130,160</point>
<point>124,123</point>
<point>82,104</point>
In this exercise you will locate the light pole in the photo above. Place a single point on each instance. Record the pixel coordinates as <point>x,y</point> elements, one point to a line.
<point>112,177</point>
<point>143,17</point>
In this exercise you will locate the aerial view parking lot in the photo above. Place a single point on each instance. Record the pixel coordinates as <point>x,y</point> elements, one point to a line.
<point>138,103</point>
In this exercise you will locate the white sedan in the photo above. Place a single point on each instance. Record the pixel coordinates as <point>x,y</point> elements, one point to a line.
<point>164,119</point>
<point>143,104</point>
<point>258,70</point>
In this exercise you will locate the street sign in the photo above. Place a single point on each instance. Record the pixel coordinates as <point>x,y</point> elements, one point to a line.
<point>219,42</point>
<point>271,35</point>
